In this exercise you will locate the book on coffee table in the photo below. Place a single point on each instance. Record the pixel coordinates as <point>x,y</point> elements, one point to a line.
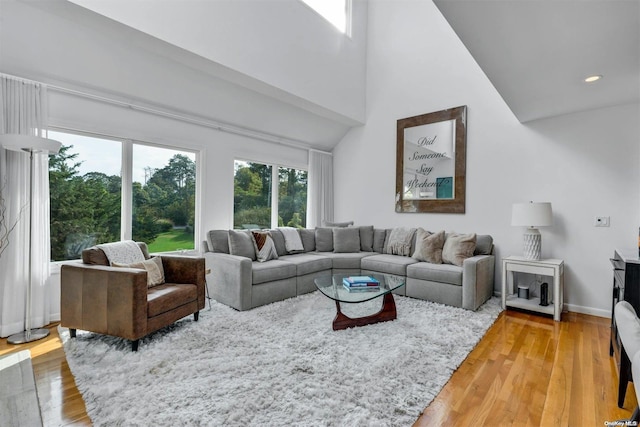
<point>358,281</point>
<point>372,288</point>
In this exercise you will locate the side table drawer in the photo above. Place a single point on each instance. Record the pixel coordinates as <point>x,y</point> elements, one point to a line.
<point>522,268</point>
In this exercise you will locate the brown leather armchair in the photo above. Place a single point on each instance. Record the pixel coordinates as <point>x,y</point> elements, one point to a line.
<point>116,301</point>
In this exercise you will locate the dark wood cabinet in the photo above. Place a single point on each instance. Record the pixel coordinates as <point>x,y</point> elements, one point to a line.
<point>626,287</point>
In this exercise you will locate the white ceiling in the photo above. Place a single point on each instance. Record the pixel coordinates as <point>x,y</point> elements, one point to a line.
<point>538,52</point>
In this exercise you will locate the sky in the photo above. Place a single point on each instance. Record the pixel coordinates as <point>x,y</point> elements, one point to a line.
<point>105,155</point>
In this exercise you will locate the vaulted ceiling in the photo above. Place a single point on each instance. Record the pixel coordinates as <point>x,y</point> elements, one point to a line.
<point>537,53</point>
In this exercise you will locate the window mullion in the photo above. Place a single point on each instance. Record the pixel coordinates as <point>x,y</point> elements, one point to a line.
<point>127,190</point>
<point>275,182</point>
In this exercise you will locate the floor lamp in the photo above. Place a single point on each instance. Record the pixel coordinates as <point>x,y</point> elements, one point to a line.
<point>32,145</point>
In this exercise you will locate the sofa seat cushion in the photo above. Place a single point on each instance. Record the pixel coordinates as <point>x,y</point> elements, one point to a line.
<point>306,263</point>
<point>442,273</point>
<point>269,271</point>
<point>385,263</point>
<point>345,260</point>
<point>166,297</point>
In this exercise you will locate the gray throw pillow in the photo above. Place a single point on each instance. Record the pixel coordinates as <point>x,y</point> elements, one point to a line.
<point>429,246</point>
<point>458,247</point>
<point>241,243</point>
<point>366,238</point>
<point>308,238</point>
<point>346,239</point>
<point>324,239</point>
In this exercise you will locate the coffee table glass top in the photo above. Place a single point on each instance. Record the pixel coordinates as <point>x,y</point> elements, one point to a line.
<point>332,287</point>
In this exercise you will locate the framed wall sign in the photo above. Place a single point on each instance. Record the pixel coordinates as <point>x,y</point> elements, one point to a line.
<point>431,162</point>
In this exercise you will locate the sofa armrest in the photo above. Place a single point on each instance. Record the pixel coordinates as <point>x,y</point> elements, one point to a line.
<point>103,299</point>
<point>231,279</point>
<point>181,269</point>
<point>477,280</point>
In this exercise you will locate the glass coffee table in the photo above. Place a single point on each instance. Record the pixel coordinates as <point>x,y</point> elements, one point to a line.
<point>332,287</point>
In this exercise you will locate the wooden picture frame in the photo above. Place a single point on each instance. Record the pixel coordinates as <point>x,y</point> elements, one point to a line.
<point>431,162</point>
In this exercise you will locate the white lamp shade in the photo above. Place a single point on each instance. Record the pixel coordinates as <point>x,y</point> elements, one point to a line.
<point>29,143</point>
<point>532,214</point>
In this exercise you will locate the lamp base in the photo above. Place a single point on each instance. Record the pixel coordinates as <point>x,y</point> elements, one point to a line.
<point>532,244</point>
<point>28,336</point>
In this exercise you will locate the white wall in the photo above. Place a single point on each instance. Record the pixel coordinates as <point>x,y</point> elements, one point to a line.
<point>585,164</point>
<point>283,43</point>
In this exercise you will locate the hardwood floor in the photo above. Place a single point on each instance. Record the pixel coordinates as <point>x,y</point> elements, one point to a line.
<point>527,371</point>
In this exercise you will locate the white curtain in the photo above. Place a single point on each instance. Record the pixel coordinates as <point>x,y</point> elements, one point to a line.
<point>23,111</point>
<point>319,188</point>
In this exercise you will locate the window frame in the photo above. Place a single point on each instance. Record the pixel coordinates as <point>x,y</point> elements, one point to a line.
<point>126,179</point>
<point>275,188</point>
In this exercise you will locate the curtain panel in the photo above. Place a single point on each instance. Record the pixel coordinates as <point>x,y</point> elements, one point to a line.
<point>319,188</point>
<point>23,111</point>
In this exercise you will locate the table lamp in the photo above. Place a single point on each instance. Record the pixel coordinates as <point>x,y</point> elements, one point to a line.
<point>532,215</point>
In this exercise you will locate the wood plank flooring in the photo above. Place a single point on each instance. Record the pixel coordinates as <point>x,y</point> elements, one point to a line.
<point>527,371</point>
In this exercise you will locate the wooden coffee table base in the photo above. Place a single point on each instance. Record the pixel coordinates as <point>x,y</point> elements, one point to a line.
<point>387,312</point>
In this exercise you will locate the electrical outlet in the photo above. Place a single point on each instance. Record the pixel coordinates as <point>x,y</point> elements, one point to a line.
<point>602,221</point>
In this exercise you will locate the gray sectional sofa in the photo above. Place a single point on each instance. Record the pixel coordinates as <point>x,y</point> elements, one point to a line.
<point>239,280</point>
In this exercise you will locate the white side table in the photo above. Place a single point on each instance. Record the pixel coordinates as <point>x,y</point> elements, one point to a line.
<point>544,267</point>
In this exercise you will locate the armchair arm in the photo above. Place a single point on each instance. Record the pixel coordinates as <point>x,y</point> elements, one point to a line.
<point>181,269</point>
<point>231,279</point>
<point>477,280</point>
<point>103,299</point>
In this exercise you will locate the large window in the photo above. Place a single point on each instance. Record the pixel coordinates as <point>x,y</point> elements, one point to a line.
<point>257,204</point>
<point>89,206</point>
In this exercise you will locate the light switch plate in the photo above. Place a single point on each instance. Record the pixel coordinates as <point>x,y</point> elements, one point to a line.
<point>602,221</point>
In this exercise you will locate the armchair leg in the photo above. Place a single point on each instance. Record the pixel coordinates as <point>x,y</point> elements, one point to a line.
<point>72,333</point>
<point>134,345</point>
<point>195,316</point>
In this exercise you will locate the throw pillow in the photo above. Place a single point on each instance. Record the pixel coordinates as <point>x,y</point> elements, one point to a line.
<point>153,266</point>
<point>484,244</point>
<point>366,238</point>
<point>346,239</point>
<point>379,237</point>
<point>241,243</point>
<point>292,239</point>
<point>429,246</point>
<point>458,247</point>
<point>399,242</point>
<point>324,239</point>
<point>264,246</point>
<point>278,240</point>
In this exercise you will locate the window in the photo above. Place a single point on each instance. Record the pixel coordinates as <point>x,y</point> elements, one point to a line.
<point>258,205</point>
<point>88,202</point>
<point>337,12</point>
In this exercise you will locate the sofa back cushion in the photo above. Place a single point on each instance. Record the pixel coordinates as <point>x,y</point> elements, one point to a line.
<point>379,238</point>
<point>331,224</point>
<point>366,238</point>
<point>218,241</point>
<point>484,244</point>
<point>308,237</point>
<point>346,239</point>
<point>324,239</point>
<point>96,256</point>
<point>241,243</point>
<point>278,240</point>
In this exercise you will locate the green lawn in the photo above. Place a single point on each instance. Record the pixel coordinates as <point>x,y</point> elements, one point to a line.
<point>172,241</point>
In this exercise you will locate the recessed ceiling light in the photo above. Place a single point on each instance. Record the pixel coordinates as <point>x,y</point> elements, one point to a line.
<point>592,79</point>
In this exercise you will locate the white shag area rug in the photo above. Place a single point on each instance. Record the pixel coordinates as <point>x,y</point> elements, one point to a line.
<point>278,365</point>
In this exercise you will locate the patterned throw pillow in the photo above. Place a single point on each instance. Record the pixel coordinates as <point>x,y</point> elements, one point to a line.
<point>264,246</point>
<point>429,246</point>
<point>155,272</point>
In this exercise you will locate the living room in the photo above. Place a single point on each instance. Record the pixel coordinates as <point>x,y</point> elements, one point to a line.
<point>280,83</point>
